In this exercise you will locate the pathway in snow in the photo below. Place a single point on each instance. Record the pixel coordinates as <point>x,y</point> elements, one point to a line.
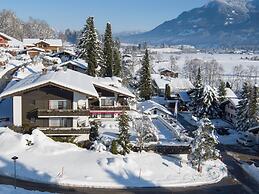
<point>165,135</point>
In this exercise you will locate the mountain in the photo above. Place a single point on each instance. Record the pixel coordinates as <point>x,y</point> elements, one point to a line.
<point>228,23</point>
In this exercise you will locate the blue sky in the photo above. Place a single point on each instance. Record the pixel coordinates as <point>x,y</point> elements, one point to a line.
<point>125,15</point>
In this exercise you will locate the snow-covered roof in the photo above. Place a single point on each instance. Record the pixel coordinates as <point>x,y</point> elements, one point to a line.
<point>77,62</point>
<point>51,42</point>
<point>69,79</point>
<point>149,105</point>
<point>230,93</point>
<point>12,42</point>
<point>176,84</point>
<point>234,101</point>
<point>35,49</point>
<point>113,84</point>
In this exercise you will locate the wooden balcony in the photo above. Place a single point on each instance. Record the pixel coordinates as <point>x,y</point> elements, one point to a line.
<point>65,132</point>
<point>109,108</point>
<point>62,112</point>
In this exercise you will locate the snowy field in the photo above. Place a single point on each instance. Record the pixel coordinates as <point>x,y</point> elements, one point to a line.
<point>228,61</point>
<point>66,164</point>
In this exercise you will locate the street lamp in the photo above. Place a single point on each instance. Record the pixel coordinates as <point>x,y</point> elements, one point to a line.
<point>14,158</point>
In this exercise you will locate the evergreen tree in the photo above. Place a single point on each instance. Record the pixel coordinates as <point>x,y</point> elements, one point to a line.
<point>89,47</point>
<point>243,108</point>
<point>208,104</point>
<point>198,81</point>
<point>145,78</point>
<point>124,136</point>
<point>197,92</point>
<point>167,91</point>
<point>117,62</point>
<point>222,91</point>
<point>108,52</point>
<point>253,107</point>
<point>94,134</point>
<point>203,146</point>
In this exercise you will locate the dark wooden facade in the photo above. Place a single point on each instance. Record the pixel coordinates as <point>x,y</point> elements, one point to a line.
<point>39,99</point>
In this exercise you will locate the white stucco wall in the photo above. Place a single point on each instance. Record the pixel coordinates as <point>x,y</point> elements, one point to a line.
<point>17,110</point>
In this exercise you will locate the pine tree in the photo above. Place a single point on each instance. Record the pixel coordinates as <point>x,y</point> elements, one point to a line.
<point>108,52</point>
<point>198,81</point>
<point>222,91</point>
<point>243,109</point>
<point>253,107</point>
<point>167,91</point>
<point>145,78</point>
<point>203,145</point>
<point>89,46</point>
<point>208,104</point>
<point>117,62</point>
<point>197,92</point>
<point>94,134</point>
<point>124,136</point>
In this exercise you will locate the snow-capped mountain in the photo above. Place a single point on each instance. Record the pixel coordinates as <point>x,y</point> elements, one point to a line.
<point>229,23</point>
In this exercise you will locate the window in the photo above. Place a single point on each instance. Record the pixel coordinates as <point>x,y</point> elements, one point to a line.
<point>58,122</point>
<point>107,115</point>
<point>107,102</point>
<point>57,104</point>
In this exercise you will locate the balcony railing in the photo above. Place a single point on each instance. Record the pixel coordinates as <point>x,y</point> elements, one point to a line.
<point>109,108</point>
<point>62,112</point>
<point>66,131</point>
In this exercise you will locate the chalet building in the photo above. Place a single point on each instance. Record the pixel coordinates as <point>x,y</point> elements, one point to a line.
<point>154,109</point>
<point>176,84</point>
<point>64,99</point>
<point>168,73</point>
<point>76,65</point>
<point>34,51</point>
<point>229,106</point>
<point>49,45</point>
<point>10,42</point>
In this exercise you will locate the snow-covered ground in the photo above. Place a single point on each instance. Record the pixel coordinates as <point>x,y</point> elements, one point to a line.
<point>66,164</point>
<point>7,189</point>
<point>228,61</point>
<point>252,170</point>
<point>229,139</point>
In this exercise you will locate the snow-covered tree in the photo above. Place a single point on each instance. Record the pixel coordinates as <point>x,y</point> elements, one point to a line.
<point>145,78</point>
<point>94,134</point>
<point>124,136</point>
<point>36,28</point>
<point>89,47</point>
<point>222,91</point>
<point>243,108</point>
<point>117,62</point>
<point>253,107</point>
<point>145,131</point>
<point>197,92</point>
<point>208,104</point>
<point>203,146</point>
<point>108,51</point>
